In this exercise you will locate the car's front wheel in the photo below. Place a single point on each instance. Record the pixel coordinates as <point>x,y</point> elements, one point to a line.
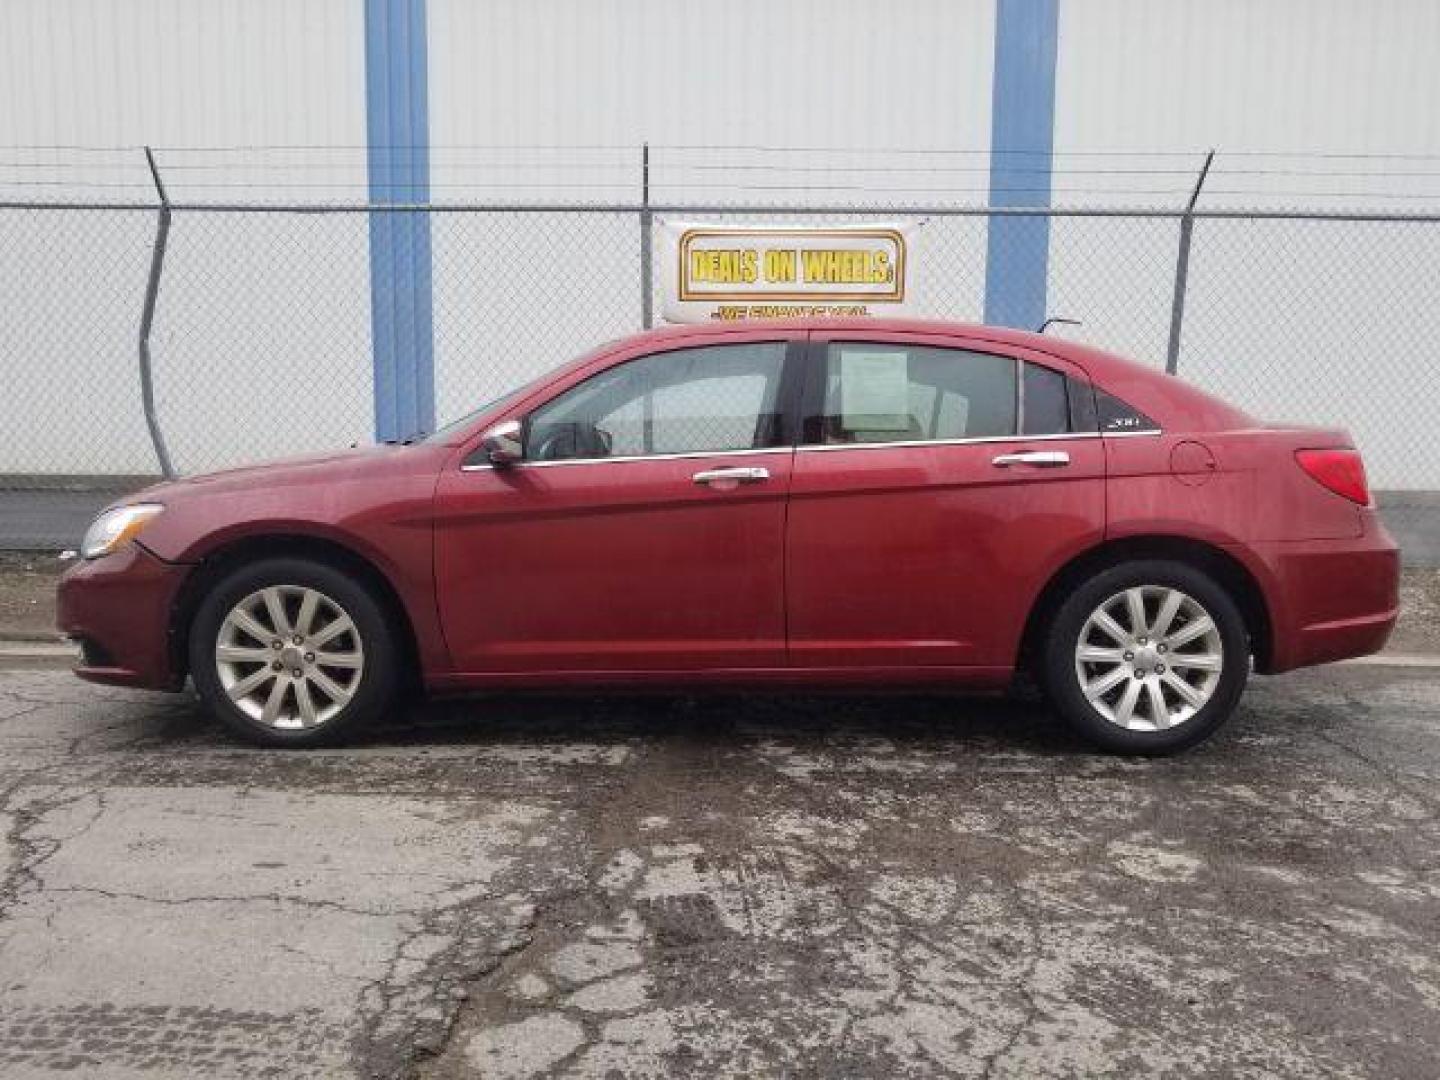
<point>292,652</point>
<point>1147,657</point>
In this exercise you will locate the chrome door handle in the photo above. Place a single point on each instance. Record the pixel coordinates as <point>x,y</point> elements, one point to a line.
<point>739,476</point>
<point>1041,459</point>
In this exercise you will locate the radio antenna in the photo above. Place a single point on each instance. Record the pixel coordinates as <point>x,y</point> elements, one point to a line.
<point>1056,319</point>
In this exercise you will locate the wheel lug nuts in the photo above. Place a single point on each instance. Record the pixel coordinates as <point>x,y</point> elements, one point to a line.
<point>297,639</point>
<point>1143,640</point>
<point>276,666</point>
<point>1139,674</point>
<point>296,672</point>
<point>1129,656</point>
<point>309,657</point>
<point>276,643</point>
<point>1159,648</point>
<point>1159,668</point>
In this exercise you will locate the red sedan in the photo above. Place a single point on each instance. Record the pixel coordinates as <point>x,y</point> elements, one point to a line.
<point>831,502</point>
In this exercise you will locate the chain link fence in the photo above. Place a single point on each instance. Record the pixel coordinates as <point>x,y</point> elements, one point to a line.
<point>261,338</point>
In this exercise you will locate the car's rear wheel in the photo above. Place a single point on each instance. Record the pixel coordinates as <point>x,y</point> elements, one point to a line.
<point>1147,657</point>
<point>292,652</point>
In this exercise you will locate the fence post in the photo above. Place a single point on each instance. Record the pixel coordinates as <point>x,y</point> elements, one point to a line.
<point>147,319</point>
<point>647,255</point>
<point>1182,270</point>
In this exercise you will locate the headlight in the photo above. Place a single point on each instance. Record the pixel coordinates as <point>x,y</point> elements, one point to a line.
<point>114,528</point>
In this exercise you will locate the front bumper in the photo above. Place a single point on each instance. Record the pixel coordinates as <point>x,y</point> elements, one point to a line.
<point>1331,599</point>
<point>118,608</point>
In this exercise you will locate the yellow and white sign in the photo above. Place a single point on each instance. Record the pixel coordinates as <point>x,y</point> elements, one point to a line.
<point>721,272</point>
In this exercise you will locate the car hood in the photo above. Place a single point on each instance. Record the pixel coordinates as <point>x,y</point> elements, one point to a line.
<point>319,468</point>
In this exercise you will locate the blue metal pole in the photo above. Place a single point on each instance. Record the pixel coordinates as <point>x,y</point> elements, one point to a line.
<point>398,133</point>
<point>1022,131</point>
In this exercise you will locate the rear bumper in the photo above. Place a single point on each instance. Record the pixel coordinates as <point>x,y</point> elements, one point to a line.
<point>1330,599</point>
<point>118,608</point>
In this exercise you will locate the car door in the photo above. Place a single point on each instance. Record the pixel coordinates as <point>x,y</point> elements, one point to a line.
<point>929,504</point>
<point>644,529</point>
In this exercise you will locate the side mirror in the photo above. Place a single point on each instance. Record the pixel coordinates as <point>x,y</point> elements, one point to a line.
<point>504,444</point>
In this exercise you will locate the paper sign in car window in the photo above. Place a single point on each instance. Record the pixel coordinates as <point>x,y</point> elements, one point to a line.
<point>874,390</point>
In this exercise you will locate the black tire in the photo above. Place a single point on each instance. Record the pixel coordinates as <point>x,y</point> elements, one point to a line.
<point>1062,682</point>
<point>378,680</point>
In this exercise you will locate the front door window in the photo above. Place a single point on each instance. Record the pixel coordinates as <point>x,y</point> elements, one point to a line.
<point>686,401</point>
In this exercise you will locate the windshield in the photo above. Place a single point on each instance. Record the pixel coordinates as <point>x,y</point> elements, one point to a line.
<point>455,427</point>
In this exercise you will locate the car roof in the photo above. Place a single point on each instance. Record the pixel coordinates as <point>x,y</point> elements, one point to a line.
<point>1096,362</point>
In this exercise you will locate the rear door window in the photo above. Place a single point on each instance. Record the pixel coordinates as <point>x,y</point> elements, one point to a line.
<point>885,392</point>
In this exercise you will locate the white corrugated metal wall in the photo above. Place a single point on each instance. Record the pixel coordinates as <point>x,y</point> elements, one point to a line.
<point>87,81</point>
<point>1306,99</point>
<point>272,93</point>
<point>575,88</point>
<point>1313,76</point>
<point>181,72</point>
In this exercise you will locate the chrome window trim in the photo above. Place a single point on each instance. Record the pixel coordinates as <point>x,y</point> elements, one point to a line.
<point>688,454</point>
<point>908,443</point>
<point>978,440</point>
<point>1019,392</point>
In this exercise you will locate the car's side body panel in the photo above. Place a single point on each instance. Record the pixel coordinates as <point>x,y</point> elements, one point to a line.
<point>1326,568</point>
<point>615,564</point>
<point>1146,496</point>
<point>928,553</point>
<point>922,555</point>
<point>1225,487</point>
<point>611,564</point>
<point>871,677</point>
<point>377,503</point>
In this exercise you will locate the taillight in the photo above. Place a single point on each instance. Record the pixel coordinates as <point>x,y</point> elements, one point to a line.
<point>1339,469</point>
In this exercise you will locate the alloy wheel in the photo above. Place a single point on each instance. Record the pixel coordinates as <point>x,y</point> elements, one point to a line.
<point>289,657</point>
<point>1149,658</point>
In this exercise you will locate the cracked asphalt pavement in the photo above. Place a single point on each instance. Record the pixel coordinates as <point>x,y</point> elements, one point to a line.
<point>767,886</point>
